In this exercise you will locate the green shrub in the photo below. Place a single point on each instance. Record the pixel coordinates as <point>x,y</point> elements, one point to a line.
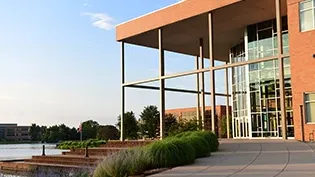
<point>79,144</point>
<point>181,149</point>
<point>170,153</point>
<point>183,134</point>
<point>200,145</point>
<point>210,137</point>
<point>124,163</point>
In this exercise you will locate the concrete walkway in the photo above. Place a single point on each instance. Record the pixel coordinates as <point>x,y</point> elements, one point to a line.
<point>253,158</point>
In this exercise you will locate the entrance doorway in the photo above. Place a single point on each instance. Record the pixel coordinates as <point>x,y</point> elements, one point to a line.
<point>241,127</point>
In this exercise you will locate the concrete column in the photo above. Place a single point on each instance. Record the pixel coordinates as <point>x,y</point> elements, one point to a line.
<point>281,70</point>
<point>122,138</point>
<point>198,94</point>
<point>203,104</point>
<point>162,84</point>
<point>227,101</point>
<point>212,72</point>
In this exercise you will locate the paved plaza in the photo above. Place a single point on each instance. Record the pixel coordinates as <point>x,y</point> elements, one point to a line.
<point>253,158</point>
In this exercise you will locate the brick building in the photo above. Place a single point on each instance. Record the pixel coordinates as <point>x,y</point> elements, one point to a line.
<point>266,47</point>
<point>191,113</point>
<point>13,132</point>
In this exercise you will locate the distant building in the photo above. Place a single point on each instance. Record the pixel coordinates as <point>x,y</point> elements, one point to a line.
<point>191,113</point>
<point>13,132</point>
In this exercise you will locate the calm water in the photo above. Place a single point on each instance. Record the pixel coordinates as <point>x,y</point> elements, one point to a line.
<point>22,151</point>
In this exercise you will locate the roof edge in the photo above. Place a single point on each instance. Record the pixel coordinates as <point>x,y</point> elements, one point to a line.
<point>168,15</point>
<point>155,11</point>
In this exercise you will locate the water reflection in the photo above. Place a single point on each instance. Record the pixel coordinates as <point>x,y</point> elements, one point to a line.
<point>22,151</point>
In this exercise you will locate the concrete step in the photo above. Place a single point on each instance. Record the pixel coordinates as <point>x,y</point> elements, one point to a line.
<point>98,154</point>
<point>14,166</point>
<point>23,168</point>
<point>93,151</point>
<point>65,157</point>
<point>74,163</point>
<point>66,160</point>
<point>99,149</point>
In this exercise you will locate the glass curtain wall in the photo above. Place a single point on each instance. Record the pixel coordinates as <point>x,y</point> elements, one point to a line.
<point>263,81</point>
<point>239,87</point>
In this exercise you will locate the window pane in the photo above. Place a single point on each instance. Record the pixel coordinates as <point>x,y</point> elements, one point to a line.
<point>267,64</point>
<point>310,112</point>
<point>271,103</point>
<point>306,5</point>
<point>286,62</point>
<point>307,20</point>
<point>252,31</point>
<point>288,103</point>
<point>287,72</point>
<point>310,97</point>
<point>254,86</point>
<point>290,120</point>
<point>252,54</point>
<point>265,24</point>
<point>253,67</point>
<point>265,47</point>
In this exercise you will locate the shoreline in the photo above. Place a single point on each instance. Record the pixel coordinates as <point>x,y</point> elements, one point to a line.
<point>18,142</point>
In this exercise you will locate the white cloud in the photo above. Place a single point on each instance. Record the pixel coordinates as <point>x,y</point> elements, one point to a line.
<point>100,20</point>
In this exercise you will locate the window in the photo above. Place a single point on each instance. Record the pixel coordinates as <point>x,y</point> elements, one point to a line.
<point>307,15</point>
<point>310,107</point>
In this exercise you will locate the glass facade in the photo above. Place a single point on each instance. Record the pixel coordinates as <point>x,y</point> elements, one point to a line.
<point>256,90</point>
<point>239,77</point>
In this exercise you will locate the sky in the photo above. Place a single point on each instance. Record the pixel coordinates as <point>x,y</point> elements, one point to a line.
<point>60,62</point>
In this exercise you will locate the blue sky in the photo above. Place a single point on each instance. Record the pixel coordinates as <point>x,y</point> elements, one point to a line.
<point>60,63</point>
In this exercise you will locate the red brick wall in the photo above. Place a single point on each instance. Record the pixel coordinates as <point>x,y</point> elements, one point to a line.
<point>220,112</point>
<point>302,48</point>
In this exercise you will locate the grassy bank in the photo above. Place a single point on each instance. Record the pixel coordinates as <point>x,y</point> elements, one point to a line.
<point>178,150</point>
<point>80,144</point>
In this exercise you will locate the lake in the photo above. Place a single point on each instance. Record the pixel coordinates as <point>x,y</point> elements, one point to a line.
<point>22,151</point>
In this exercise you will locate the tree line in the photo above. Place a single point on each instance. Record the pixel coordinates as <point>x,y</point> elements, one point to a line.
<point>146,126</point>
<point>56,133</point>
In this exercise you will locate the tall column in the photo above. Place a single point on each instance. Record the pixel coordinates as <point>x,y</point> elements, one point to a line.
<point>281,72</point>
<point>212,72</point>
<point>122,138</point>
<point>227,112</point>
<point>198,90</point>
<point>162,84</point>
<point>203,104</point>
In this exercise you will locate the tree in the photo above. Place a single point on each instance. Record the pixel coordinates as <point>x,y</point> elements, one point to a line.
<point>35,132</point>
<point>107,132</point>
<point>130,125</point>
<point>89,129</point>
<point>185,125</point>
<point>52,134</point>
<point>171,124</point>
<point>64,132</point>
<point>149,121</point>
<point>74,134</point>
<point>58,133</point>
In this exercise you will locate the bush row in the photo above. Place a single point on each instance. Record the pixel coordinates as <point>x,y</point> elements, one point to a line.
<point>178,150</point>
<point>80,144</point>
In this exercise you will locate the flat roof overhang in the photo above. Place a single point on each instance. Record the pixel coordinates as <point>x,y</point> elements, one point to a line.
<point>184,23</point>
